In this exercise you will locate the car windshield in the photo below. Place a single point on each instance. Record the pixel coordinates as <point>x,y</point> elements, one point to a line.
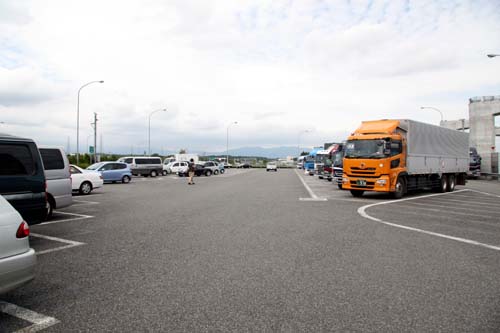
<point>95,166</point>
<point>365,149</point>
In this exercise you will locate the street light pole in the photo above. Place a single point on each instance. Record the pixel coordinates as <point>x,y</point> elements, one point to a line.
<point>78,119</point>
<point>227,141</point>
<point>435,109</point>
<point>298,142</point>
<point>149,129</point>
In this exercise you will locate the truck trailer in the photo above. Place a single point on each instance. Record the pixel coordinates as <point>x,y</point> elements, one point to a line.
<point>397,156</point>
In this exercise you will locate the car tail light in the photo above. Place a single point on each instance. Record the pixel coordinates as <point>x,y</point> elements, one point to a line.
<point>23,230</point>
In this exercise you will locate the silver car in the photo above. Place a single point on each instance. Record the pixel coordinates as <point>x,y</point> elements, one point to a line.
<point>58,177</point>
<point>17,259</point>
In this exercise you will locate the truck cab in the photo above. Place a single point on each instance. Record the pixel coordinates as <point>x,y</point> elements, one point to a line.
<point>309,162</point>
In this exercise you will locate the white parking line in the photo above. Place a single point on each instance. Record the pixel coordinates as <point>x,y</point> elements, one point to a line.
<point>362,212</point>
<point>69,243</point>
<point>313,197</point>
<point>38,321</point>
<point>470,203</point>
<point>77,217</point>
<point>85,202</point>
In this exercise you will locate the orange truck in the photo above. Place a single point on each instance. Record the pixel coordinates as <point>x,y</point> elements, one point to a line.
<point>397,156</point>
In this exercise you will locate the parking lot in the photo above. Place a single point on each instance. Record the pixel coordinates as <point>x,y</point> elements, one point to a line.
<point>251,250</point>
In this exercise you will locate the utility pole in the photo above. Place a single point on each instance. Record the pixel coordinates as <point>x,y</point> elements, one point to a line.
<point>94,125</point>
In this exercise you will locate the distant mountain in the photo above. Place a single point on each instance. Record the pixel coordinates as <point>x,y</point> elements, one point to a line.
<point>276,152</point>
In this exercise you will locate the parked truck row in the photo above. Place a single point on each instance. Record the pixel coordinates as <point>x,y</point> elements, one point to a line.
<point>396,156</point>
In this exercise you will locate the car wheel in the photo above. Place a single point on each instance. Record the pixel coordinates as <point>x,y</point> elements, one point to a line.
<point>267,170</point>
<point>49,206</point>
<point>222,171</point>
<point>451,183</point>
<point>85,188</point>
<point>153,173</point>
<point>125,179</point>
<point>216,172</point>
<point>400,189</point>
<point>164,172</point>
<point>208,173</point>
<point>357,193</point>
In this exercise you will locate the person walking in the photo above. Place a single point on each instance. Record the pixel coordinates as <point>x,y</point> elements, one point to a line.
<point>191,169</point>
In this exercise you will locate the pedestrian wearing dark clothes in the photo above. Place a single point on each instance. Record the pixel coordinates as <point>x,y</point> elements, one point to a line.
<point>191,172</point>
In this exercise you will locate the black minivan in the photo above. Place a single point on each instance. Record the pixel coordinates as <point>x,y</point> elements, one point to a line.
<point>22,178</point>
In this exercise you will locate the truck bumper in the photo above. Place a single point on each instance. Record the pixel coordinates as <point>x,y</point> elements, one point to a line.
<point>381,184</point>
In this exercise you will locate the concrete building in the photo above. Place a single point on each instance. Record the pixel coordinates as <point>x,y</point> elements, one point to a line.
<point>482,112</point>
<point>481,125</point>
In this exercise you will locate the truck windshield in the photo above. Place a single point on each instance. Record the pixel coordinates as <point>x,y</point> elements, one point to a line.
<point>337,159</point>
<point>365,149</point>
<point>321,158</point>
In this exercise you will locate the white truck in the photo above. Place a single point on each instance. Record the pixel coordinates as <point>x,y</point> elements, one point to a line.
<point>186,158</point>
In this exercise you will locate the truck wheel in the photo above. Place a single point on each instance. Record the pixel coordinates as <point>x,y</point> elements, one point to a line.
<point>153,173</point>
<point>451,183</point>
<point>164,172</point>
<point>357,193</point>
<point>400,189</point>
<point>443,185</point>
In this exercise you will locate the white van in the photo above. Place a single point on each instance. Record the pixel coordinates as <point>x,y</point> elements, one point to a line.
<point>58,176</point>
<point>145,166</point>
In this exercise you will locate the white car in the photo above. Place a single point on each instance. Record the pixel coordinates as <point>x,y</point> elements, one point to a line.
<point>177,167</point>
<point>272,166</point>
<point>84,181</point>
<point>17,259</point>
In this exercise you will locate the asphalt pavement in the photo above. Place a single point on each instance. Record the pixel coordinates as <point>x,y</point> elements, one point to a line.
<point>252,250</point>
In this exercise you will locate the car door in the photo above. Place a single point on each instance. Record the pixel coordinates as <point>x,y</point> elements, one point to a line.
<point>107,172</point>
<point>175,167</point>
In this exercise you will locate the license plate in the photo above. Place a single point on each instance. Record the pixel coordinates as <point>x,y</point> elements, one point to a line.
<point>361,182</point>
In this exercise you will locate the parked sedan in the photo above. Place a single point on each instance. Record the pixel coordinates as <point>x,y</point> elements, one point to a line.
<point>113,172</point>
<point>212,166</point>
<point>84,181</point>
<point>199,170</point>
<point>17,259</point>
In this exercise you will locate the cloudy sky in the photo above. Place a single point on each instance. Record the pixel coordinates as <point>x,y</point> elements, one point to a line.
<point>276,67</point>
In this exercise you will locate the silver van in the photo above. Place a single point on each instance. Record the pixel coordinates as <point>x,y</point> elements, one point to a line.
<point>145,166</point>
<point>58,177</point>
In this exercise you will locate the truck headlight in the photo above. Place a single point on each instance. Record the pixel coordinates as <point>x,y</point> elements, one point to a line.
<point>381,182</point>
<point>345,180</point>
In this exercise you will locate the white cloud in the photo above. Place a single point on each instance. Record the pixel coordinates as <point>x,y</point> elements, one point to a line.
<point>277,67</point>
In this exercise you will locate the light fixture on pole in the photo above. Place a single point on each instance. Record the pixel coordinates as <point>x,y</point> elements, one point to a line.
<point>227,141</point>
<point>78,119</point>
<point>149,129</point>
<point>435,109</point>
<point>298,141</point>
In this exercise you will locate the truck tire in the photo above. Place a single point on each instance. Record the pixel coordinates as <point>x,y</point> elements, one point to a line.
<point>357,193</point>
<point>164,172</point>
<point>451,183</point>
<point>153,173</point>
<point>399,188</point>
<point>443,184</point>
